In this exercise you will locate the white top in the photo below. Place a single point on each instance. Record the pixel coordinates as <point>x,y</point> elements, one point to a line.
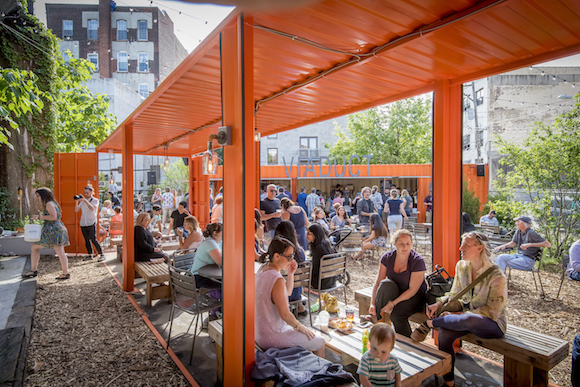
<point>485,219</point>
<point>195,245</point>
<point>167,199</point>
<point>270,330</point>
<point>113,188</point>
<point>88,217</point>
<point>178,199</point>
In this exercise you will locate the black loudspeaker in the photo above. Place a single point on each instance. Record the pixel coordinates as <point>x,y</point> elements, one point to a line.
<point>151,178</point>
<point>480,169</point>
<point>185,161</point>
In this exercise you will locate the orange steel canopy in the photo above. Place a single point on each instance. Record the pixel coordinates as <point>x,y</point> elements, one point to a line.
<point>337,57</point>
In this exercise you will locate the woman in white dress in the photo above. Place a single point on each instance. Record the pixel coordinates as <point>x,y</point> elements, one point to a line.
<point>276,326</point>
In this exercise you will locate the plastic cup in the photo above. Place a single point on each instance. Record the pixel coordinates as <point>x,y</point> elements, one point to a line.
<point>349,310</point>
<point>324,317</point>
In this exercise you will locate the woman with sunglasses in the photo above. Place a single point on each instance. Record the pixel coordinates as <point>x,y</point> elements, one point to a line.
<point>276,326</point>
<point>483,309</point>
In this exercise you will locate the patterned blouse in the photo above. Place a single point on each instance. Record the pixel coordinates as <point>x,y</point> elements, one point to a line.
<point>488,298</point>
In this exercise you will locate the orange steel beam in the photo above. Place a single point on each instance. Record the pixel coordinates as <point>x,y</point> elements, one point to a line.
<point>240,185</point>
<point>446,174</point>
<point>128,223</point>
<point>190,176</point>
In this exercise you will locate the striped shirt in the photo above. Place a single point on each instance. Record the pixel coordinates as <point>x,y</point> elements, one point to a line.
<point>379,374</point>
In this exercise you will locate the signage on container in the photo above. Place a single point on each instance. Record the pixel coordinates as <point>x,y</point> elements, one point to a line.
<point>310,166</point>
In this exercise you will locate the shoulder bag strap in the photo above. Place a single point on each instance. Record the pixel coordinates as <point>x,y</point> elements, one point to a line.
<point>466,289</point>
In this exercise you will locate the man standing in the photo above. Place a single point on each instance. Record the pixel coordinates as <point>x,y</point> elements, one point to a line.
<point>89,206</point>
<point>529,245</point>
<point>281,194</point>
<point>271,211</point>
<point>301,199</point>
<point>167,204</point>
<point>365,206</point>
<point>428,202</point>
<point>113,186</point>
<point>489,219</point>
<point>312,201</point>
<point>573,269</point>
<point>377,199</point>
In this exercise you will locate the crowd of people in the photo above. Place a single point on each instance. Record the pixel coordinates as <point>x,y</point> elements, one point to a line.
<point>288,233</point>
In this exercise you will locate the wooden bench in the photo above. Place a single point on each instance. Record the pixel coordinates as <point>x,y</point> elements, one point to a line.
<point>215,331</point>
<point>154,274</point>
<point>528,355</point>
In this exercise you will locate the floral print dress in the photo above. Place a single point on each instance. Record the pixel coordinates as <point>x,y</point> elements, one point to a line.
<point>54,232</point>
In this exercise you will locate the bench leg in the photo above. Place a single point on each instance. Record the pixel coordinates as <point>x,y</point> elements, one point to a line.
<point>517,374</point>
<point>220,361</point>
<point>149,287</point>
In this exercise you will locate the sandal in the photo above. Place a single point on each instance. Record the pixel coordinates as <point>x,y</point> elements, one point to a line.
<point>60,277</point>
<point>30,274</point>
<point>420,333</point>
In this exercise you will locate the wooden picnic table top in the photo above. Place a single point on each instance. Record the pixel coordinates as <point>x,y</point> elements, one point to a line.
<point>418,361</point>
<point>216,272</point>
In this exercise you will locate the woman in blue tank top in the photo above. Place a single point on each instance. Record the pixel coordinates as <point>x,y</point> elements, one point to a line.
<point>396,210</point>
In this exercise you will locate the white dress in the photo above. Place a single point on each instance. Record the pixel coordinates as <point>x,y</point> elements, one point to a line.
<point>270,330</point>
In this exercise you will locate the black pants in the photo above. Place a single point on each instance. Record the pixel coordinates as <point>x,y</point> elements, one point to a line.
<point>388,291</point>
<point>90,235</point>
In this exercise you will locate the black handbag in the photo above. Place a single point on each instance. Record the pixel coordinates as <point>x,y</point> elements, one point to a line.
<point>437,284</point>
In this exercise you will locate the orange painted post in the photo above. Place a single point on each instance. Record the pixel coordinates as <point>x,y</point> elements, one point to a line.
<point>128,223</point>
<point>446,174</point>
<point>190,175</point>
<point>240,191</point>
<point>258,168</point>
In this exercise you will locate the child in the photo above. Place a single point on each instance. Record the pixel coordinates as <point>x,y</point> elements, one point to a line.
<point>377,366</point>
<point>156,218</point>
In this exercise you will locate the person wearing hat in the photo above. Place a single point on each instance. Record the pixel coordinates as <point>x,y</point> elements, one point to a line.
<point>529,245</point>
<point>489,219</point>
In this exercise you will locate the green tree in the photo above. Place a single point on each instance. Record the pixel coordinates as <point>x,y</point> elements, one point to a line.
<point>19,96</point>
<point>470,204</point>
<point>397,133</point>
<point>546,168</point>
<point>177,176</point>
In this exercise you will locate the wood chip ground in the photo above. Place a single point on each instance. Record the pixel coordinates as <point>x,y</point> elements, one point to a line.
<point>87,333</point>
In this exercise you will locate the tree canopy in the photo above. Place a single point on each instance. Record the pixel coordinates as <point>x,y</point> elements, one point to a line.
<point>397,133</point>
<point>546,168</point>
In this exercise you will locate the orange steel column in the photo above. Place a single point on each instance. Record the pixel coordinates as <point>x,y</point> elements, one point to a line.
<point>240,192</point>
<point>446,174</point>
<point>128,223</point>
<point>190,181</point>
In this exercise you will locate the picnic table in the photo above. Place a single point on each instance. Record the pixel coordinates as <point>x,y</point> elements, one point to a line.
<point>215,272</point>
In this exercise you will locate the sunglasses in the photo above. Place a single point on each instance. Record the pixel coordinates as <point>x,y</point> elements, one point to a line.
<point>272,190</point>
<point>288,257</point>
<point>480,237</point>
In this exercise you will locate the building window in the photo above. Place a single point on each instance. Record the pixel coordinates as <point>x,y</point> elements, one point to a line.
<point>65,57</point>
<point>143,63</point>
<point>308,148</point>
<point>122,64</point>
<point>144,90</point>
<point>94,59</point>
<point>467,142</point>
<point>67,29</point>
<point>121,29</point>
<point>479,97</point>
<point>93,29</point>
<point>142,30</point>
<point>272,155</point>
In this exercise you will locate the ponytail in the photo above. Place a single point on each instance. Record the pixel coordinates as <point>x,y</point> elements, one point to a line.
<point>211,229</point>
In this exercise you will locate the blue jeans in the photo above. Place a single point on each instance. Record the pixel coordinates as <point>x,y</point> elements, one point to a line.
<point>575,378</point>
<point>516,261</point>
<point>453,326</point>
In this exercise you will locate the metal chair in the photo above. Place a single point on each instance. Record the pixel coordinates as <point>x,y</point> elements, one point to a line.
<point>183,259</point>
<point>422,237</point>
<point>333,265</point>
<point>302,279</point>
<point>187,298</point>
<point>351,243</point>
<point>533,270</point>
<point>565,262</point>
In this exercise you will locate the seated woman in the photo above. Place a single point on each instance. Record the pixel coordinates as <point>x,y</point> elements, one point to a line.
<point>340,220</point>
<point>107,210</point>
<point>286,230</point>
<point>195,237</point>
<point>400,287</point>
<point>319,247</point>
<point>466,226</point>
<point>208,253</point>
<point>295,214</point>
<point>320,218</point>
<point>276,326</point>
<point>217,212</point>
<point>145,246</point>
<point>483,311</point>
<point>377,238</point>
